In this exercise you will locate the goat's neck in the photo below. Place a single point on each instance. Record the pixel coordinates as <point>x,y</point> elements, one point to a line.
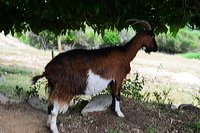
<point>134,45</point>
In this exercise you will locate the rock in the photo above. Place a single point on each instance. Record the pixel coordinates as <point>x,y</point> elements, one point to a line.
<point>98,103</point>
<point>172,107</point>
<point>37,103</point>
<point>188,107</point>
<point>3,99</point>
<point>16,101</point>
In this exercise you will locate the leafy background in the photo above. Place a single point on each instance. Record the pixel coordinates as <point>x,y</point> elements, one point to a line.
<point>59,16</point>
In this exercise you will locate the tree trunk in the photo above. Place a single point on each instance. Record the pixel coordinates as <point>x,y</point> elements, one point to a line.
<point>59,45</point>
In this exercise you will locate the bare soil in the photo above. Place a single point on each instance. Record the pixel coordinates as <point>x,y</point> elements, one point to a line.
<point>139,118</point>
<point>21,118</point>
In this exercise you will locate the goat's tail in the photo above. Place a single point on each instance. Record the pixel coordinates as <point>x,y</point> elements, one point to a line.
<point>35,79</point>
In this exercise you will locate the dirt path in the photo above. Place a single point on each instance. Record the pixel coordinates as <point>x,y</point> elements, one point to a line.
<point>22,118</point>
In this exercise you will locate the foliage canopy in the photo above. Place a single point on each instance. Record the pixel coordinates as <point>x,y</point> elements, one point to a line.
<point>59,16</point>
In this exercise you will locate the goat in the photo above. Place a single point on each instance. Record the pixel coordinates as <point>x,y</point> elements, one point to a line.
<point>88,72</point>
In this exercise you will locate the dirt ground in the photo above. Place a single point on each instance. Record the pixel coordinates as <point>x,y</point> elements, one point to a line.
<point>139,118</point>
<point>22,118</point>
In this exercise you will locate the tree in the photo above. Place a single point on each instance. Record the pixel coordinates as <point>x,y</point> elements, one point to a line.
<point>59,16</point>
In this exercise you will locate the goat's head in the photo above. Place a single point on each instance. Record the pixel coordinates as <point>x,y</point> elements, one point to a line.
<point>149,41</point>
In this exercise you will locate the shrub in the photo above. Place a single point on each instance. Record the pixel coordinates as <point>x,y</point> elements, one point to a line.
<point>34,90</point>
<point>110,38</point>
<point>182,43</point>
<point>132,88</point>
<point>167,44</point>
<point>18,90</point>
<point>22,37</point>
<point>44,40</point>
<point>187,45</point>
<point>162,97</point>
<point>126,35</point>
<point>79,39</point>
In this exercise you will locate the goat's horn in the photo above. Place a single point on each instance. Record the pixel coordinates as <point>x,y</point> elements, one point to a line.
<point>143,22</point>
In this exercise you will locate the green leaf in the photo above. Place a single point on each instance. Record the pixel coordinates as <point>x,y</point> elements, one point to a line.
<point>96,8</point>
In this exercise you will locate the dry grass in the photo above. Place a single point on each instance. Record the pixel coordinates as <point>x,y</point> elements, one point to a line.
<point>164,72</point>
<point>26,56</point>
<point>173,63</point>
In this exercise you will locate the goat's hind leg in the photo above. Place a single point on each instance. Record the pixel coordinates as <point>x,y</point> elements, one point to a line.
<point>53,111</point>
<point>50,108</point>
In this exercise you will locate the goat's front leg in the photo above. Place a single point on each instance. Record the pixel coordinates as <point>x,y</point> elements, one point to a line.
<point>112,86</point>
<point>117,107</point>
<point>116,98</point>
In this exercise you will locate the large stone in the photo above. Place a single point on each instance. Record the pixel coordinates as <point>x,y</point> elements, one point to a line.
<point>188,107</point>
<point>3,99</point>
<point>6,100</point>
<point>98,103</point>
<point>16,101</point>
<point>173,107</point>
<point>37,103</point>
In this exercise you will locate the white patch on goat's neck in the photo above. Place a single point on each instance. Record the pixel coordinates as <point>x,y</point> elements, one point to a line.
<point>95,83</point>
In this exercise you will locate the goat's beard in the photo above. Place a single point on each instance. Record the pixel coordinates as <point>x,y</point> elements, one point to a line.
<point>147,50</point>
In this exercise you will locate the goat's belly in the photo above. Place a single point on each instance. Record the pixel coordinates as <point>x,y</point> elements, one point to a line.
<point>95,83</point>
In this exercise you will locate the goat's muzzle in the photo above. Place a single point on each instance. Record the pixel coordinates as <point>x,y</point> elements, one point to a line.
<point>150,49</point>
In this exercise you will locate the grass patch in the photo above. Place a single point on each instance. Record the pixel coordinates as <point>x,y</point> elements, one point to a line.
<point>191,55</point>
<point>172,94</point>
<point>151,129</point>
<point>195,126</point>
<point>114,131</point>
<point>18,70</point>
<point>11,77</point>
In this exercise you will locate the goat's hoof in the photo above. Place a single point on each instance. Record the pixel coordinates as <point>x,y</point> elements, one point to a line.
<point>120,114</point>
<point>55,131</point>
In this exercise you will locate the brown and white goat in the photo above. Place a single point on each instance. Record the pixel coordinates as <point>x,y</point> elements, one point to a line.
<point>89,72</point>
